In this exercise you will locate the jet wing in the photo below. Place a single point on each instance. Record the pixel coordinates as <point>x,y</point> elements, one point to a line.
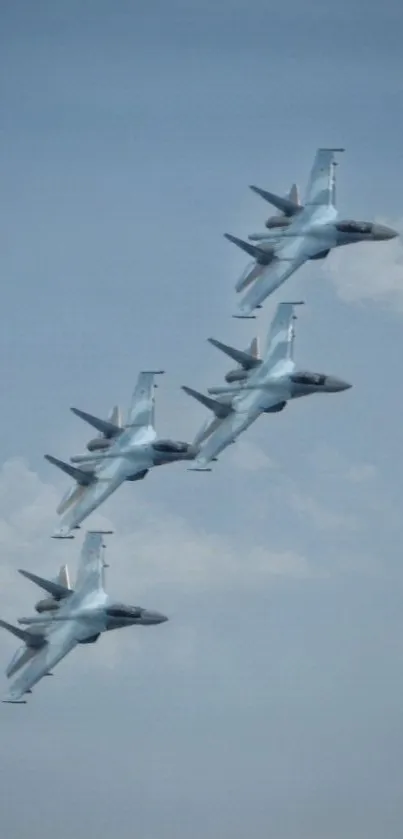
<point>142,409</point>
<point>280,340</point>
<point>109,478</point>
<point>59,643</point>
<point>90,572</point>
<point>227,432</point>
<point>247,407</point>
<point>290,256</point>
<point>320,190</point>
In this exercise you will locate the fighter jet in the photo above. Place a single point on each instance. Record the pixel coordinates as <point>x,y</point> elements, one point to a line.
<point>132,450</point>
<point>305,232</point>
<point>266,389</point>
<point>78,617</point>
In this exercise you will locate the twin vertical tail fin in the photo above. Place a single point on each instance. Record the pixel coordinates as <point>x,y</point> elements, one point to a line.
<point>63,577</point>
<point>294,195</point>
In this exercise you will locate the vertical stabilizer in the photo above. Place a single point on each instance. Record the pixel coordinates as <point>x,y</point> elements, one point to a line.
<point>115,416</point>
<point>254,349</point>
<point>63,577</point>
<point>333,185</point>
<point>294,195</point>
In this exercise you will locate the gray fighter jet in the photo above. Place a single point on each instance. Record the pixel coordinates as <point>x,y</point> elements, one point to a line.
<point>265,387</point>
<point>127,453</point>
<point>303,232</point>
<point>68,617</point>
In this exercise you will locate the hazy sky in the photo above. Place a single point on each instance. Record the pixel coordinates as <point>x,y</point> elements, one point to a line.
<point>270,704</point>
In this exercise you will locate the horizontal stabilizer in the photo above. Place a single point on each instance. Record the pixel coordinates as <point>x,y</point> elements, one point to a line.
<point>263,257</point>
<point>246,360</point>
<point>82,478</point>
<point>285,205</point>
<point>55,589</point>
<point>29,638</point>
<point>107,428</point>
<point>220,409</point>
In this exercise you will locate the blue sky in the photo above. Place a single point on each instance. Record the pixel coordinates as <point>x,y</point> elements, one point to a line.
<point>272,699</point>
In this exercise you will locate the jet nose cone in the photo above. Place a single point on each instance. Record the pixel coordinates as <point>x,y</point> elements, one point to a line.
<point>335,385</point>
<point>382,233</point>
<point>154,617</point>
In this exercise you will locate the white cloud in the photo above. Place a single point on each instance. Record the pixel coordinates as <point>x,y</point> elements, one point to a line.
<point>151,546</point>
<point>369,271</point>
<point>361,473</point>
<point>248,456</point>
<point>325,460</point>
<point>320,516</point>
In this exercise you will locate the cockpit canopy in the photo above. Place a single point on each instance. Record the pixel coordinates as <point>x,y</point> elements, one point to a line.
<point>360,227</point>
<point>119,611</point>
<point>170,447</point>
<point>303,378</point>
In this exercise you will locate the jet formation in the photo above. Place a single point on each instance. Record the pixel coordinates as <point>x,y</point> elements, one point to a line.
<point>125,449</point>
